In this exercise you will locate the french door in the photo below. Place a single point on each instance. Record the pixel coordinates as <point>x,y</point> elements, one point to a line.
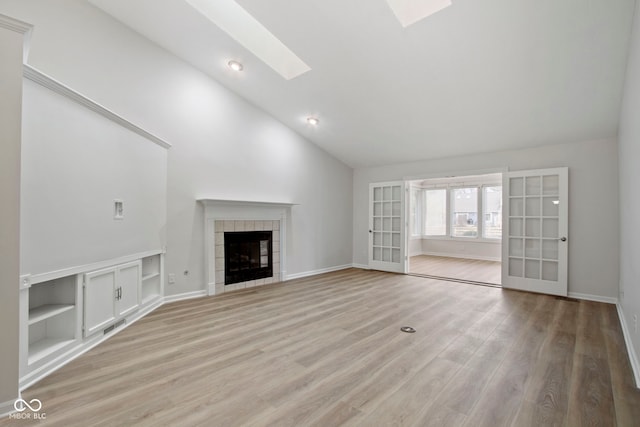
<point>387,226</point>
<point>535,224</point>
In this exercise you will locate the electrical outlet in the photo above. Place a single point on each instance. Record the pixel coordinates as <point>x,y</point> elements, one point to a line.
<point>172,279</point>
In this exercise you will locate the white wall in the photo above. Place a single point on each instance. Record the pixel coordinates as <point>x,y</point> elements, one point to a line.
<point>223,147</point>
<point>593,202</point>
<point>75,163</point>
<point>629,140</point>
<point>471,249</point>
<point>11,50</point>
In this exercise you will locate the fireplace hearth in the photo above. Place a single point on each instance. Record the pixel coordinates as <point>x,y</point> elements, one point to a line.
<point>248,255</point>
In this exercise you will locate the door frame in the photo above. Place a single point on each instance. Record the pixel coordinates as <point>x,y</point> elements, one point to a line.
<point>450,174</point>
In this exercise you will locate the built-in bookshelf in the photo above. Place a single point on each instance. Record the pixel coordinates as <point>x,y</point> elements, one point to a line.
<point>51,318</point>
<point>152,279</point>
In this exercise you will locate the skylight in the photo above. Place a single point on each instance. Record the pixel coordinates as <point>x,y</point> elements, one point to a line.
<point>411,11</point>
<point>230,17</point>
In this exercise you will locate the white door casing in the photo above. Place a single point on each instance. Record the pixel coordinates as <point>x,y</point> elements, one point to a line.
<point>387,228</point>
<point>535,231</point>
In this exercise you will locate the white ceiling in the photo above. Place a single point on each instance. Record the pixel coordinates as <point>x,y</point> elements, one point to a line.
<point>478,76</point>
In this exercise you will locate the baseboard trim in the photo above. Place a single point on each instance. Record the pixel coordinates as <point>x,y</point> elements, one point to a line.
<point>631,352</point>
<point>596,298</point>
<point>315,272</point>
<point>184,296</point>
<point>462,256</point>
<point>361,266</point>
<point>7,408</point>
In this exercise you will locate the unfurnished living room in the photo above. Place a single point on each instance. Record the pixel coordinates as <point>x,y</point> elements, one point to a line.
<point>330,213</point>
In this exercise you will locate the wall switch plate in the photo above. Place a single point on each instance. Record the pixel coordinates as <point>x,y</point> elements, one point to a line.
<point>172,279</point>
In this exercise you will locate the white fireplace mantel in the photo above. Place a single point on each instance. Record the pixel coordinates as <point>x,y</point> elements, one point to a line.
<point>239,210</point>
<point>222,208</point>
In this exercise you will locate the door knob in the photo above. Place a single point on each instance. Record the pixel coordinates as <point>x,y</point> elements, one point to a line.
<point>563,239</point>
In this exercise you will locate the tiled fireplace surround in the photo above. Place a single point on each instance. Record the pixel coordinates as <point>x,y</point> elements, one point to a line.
<point>221,226</point>
<point>237,215</point>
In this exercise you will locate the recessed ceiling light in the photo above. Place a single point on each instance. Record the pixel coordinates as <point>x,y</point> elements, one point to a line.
<point>241,26</point>
<point>235,65</point>
<point>313,121</point>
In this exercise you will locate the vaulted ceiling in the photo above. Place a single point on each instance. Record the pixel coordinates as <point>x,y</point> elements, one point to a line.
<point>478,76</point>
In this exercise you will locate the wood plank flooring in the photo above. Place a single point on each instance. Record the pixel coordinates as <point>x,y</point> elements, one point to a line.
<point>457,268</point>
<point>328,351</point>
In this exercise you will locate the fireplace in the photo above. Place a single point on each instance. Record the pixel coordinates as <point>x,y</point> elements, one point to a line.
<point>224,218</point>
<point>248,255</point>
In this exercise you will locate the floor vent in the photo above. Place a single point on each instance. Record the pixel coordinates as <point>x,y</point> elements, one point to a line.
<point>115,325</point>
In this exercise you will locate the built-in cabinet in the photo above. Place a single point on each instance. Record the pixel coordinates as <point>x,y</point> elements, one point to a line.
<point>110,294</point>
<point>61,317</point>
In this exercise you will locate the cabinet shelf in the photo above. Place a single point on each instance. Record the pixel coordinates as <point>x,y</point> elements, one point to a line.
<point>43,348</point>
<point>46,311</point>
<point>150,276</point>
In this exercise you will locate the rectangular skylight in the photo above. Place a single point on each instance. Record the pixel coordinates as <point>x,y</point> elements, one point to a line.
<point>411,11</point>
<point>230,17</point>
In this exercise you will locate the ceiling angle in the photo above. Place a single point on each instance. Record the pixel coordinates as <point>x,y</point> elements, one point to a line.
<point>411,11</point>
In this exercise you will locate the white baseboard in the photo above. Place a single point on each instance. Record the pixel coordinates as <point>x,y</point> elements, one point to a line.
<point>314,272</point>
<point>633,357</point>
<point>7,408</point>
<point>361,266</point>
<point>463,256</point>
<point>596,298</point>
<point>186,295</point>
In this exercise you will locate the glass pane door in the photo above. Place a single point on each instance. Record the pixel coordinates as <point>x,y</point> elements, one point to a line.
<point>535,246</point>
<point>386,229</point>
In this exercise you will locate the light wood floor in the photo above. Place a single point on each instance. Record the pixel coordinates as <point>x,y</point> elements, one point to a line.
<point>328,351</point>
<point>457,268</point>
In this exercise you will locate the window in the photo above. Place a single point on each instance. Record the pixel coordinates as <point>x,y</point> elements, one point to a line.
<point>416,230</point>
<point>436,212</point>
<point>492,209</point>
<point>464,212</point>
<point>470,210</point>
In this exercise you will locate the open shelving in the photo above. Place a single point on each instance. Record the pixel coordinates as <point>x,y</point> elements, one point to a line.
<point>51,317</point>
<point>151,279</point>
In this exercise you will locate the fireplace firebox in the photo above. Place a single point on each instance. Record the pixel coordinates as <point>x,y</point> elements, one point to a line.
<point>248,255</point>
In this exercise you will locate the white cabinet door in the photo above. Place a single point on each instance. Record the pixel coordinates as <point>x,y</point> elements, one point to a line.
<point>387,227</point>
<point>128,288</point>
<point>535,240</point>
<point>110,294</point>
<point>99,300</point>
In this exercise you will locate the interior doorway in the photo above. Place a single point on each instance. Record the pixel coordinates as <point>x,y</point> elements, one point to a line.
<point>455,228</point>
